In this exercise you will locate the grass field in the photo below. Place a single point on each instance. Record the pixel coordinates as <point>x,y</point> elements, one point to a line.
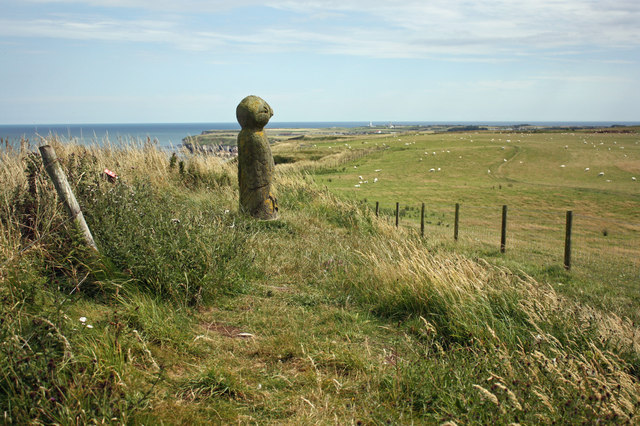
<point>538,175</point>
<point>193,313</point>
<point>229,137</point>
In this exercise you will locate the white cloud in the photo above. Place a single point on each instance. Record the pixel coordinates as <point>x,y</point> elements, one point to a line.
<point>375,28</point>
<point>586,79</point>
<point>108,29</point>
<point>203,6</point>
<point>538,23</point>
<point>100,29</point>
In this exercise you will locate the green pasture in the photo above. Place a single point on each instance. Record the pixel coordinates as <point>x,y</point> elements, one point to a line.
<point>473,170</point>
<point>539,176</point>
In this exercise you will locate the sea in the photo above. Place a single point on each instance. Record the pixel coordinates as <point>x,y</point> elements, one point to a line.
<point>170,135</point>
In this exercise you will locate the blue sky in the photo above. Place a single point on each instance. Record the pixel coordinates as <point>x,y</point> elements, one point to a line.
<point>119,61</point>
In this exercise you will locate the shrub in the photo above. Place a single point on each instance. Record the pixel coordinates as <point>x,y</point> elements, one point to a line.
<point>172,253</point>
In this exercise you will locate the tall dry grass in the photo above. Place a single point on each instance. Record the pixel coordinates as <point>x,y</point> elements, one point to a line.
<point>329,161</point>
<point>555,357</point>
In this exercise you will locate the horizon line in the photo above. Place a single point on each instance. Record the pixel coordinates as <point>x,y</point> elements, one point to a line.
<point>375,122</point>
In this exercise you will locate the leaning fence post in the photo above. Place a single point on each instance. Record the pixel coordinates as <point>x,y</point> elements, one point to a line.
<point>377,208</point>
<point>503,234</point>
<point>456,222</point>
<point>567,241</point>
<point>397,214</point>
<point>422,221</point>
<point>54,170</point>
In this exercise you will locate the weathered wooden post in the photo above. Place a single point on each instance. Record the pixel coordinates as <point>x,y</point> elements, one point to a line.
<point>567,241</point>
<point>397,214</point>
<point>377,208</point>
<point>456,222</point>
<point>422,221</point>
<point>503,234</point>
<point>60,182</point>
<point>255,162</point>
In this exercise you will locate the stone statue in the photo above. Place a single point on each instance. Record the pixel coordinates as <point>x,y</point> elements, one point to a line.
<point>255,162</point>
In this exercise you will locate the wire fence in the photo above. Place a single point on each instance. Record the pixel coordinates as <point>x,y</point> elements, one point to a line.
<point>597,246</point>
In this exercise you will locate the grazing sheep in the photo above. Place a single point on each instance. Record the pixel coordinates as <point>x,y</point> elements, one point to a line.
<point>563,166</point>
<point>432,170</point>
<point>633,178</point>
<point>586,169</point>
<point>357,186</point>
<point>375,180</point>
<point>601,174</point>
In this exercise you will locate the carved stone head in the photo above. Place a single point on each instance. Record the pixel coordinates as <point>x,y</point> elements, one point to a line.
<point>253,112</point>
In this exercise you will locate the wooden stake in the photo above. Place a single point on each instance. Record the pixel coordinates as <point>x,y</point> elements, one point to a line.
<point>503,234</point>
<point>567,241</point>
<point>397,214</point>
<point>55,172</point>
<point>456,222</point>
<point>422,221</point>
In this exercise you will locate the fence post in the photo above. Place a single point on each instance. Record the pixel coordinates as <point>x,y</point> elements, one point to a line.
<point>422,221</point>
<point>503,234</point>
<point>377,208</point>
<point>456,222</point>
<point>567,241</point>
<point>55,172</point>
<point>397,214</point>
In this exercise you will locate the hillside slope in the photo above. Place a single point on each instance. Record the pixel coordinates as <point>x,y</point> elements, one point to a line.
<point>193,313</point>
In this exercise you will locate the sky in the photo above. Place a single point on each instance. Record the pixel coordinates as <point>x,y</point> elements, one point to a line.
<point>165,61</point>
